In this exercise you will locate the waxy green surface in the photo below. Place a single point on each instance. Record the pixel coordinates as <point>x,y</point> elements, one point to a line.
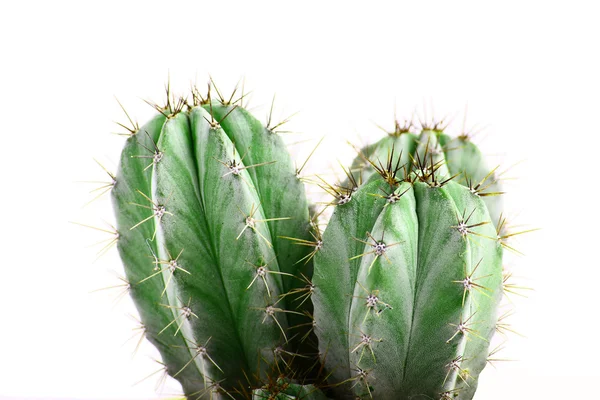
<point>199,241</point>
<point>137,253</point>
<point>387,323</point>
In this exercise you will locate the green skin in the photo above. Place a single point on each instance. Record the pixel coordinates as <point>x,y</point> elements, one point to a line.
<point>389,321</point>
<point>191,256</point>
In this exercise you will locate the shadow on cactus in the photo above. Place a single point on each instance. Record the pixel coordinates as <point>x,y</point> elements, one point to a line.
<point>206,199</point>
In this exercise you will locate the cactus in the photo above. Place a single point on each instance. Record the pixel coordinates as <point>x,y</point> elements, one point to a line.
<point>409,277</point>
<point>204,198</point>
<point>216,240</point>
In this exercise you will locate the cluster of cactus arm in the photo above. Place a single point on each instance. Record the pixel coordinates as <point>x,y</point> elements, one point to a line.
<point>245,298</point>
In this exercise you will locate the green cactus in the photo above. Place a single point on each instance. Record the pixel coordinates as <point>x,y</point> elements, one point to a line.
<point>204,198</point>
<point>409,277</point>
<point>215,235</point>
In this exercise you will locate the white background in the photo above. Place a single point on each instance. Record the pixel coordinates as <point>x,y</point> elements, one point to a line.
<point>527,70</point>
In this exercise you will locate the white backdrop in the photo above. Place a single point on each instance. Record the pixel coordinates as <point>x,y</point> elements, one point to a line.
<point>529,72</point>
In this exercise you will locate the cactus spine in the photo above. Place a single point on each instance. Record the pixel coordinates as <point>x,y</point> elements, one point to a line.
<point>202,196</point>
<point>409,278</point>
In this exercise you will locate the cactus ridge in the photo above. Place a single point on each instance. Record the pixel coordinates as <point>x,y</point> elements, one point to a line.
<point>409,277</point>
<point>203,195</point>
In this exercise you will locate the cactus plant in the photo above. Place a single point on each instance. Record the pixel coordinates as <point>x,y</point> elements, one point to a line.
<point>409,277</point>
<point>214,234</point>
<point>203,197</point>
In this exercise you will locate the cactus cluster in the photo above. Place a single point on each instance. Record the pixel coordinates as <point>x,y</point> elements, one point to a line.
<point>245,298</point>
